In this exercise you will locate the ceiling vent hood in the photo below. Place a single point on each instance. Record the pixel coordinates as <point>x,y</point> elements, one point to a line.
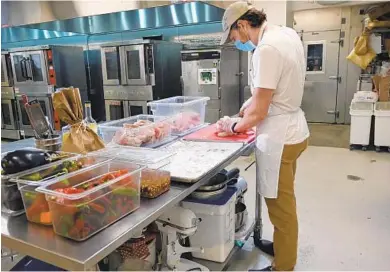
<point>187,13</point>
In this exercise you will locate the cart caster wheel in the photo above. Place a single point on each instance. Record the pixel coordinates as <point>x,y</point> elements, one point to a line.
<point>364,148</point>
<point>378,149</point>
<point>388,149</point>
<point>351,147</point>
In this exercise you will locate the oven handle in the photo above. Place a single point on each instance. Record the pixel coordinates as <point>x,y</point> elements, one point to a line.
<point>23,68</point>
<point>29,61</point>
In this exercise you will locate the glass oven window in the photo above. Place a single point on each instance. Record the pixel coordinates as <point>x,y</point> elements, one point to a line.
<point>116,112</point>
<point>133,64</point>
<point>2,72</point>
<point>136,110</point>
<point>315,56</point>
<point>6,114</point>
<point>36,66</point>
<point>112,65</point>
<point>18,68</point>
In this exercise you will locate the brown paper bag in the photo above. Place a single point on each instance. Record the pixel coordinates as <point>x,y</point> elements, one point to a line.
<point>376,79</point>
<point>82,139</point>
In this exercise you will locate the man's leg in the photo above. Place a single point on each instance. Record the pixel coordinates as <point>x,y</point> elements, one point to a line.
<point>282,211</point>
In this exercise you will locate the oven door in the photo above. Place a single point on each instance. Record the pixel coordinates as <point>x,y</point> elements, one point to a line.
<point>115,110</point>
<point>24,121</point>
<point>133,65</point>
<point>110,65</point>
<point>19,68</point>
<point>8,115</point>
<point>36,66</point>
<point>136,108</point>
<point>5,79</point>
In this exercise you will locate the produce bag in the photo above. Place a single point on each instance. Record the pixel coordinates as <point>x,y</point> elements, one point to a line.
<point>362,54</point>
<point>81,139</point>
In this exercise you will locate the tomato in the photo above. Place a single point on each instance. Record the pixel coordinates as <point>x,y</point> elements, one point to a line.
<point>70,190</point>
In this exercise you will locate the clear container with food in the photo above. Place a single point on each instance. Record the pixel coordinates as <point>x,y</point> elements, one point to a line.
<point>187,112</point>
<point>35,204</point>
<point>154,182</point>
<point>85,202</point>
<point>137,131</point>
<point>16,162</point>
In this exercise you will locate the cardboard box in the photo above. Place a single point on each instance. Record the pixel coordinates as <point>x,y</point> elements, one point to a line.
<point>384,89</point>
<point>387,45</point>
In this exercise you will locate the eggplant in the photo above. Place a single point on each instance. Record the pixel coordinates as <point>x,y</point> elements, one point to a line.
<point>21,160</point>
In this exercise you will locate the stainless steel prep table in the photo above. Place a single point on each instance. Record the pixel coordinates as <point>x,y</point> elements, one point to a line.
<point>42,243</point>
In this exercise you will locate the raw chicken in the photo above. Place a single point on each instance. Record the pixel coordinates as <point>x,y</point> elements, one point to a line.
<point>185,121</point>
<point>142,132</point>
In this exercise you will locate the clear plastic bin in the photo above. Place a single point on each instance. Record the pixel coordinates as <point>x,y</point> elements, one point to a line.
<point>154,182</point>
<point>97,197</point>
<point>141,130</point>
<point>188,112</point>
<point>11,199</point>
<point>35,204</point>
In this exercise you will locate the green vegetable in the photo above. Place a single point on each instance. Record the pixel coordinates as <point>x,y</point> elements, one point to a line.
<point>33,177</point>
<point>125,192</point>
<point>66,182</point>
<point>30,195</point>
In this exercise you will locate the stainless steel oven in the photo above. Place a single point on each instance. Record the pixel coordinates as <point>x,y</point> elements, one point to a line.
<point>29,67</point>
<point>128,65</point>
<point>9,122</point>
<point>136,72</point>
<point>24,122</point>
<point>118,109</point>
<point>6,74</point>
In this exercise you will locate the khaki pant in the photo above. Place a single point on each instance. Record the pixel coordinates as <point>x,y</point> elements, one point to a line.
<point>283,212</point>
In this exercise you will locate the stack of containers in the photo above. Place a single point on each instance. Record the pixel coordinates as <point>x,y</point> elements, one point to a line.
<point>35,204</point>
<point>216,230</point>
<point>382,125</point>
<point>137,131</point>
<point>87,201</point>
<point>361,115</point>
<point>188,112</point>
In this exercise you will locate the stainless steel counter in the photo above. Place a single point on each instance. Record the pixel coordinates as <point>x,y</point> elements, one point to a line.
<point>41,242</point>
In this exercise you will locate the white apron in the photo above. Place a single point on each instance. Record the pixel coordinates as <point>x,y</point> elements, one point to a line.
<point>270,140</point>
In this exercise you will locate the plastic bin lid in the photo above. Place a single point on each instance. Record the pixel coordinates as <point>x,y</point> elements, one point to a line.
<point>382,106</point>
<point>144,156</point>
<point>366,106</point>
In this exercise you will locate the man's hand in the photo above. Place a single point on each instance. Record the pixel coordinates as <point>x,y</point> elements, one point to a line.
<point>226,123</point>
<point>244,107</point>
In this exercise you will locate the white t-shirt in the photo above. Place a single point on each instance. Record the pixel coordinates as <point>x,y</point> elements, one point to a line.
<point>278,63</point>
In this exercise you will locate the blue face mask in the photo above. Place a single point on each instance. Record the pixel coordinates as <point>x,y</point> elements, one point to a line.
<point>248,46</point>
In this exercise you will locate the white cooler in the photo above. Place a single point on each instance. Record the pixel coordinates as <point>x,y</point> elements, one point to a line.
<point>215,232</point>
<point>361,113</point>
<point>382,124</point>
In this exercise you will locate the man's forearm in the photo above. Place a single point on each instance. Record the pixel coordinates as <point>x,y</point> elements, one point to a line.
<point>249,121</point>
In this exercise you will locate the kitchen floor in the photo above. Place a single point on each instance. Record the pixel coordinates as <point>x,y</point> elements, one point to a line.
<point>343,200</point>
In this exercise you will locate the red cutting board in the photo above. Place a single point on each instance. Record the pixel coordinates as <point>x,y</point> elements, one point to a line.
<point>209,133</point>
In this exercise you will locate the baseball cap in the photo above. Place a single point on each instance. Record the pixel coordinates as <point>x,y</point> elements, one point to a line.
<point>231,15</point>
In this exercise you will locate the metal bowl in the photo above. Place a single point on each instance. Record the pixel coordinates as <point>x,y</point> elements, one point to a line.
<point>54,139</point>
<point>241,215</point>
<point>51,147</point>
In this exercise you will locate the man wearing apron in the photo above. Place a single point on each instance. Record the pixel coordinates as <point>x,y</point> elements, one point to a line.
<point>278,75</point>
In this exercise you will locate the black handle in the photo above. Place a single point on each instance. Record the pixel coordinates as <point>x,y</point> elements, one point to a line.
<point>23,68</point>
<point>233,173</point>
